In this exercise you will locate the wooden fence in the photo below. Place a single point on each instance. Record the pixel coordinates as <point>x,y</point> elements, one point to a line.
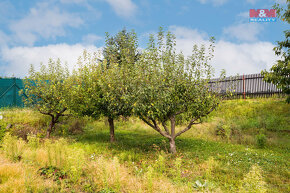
<point>250,86</point>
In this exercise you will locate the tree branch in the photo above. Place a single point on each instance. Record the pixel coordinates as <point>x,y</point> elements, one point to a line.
<point>45,113</point>
<point>147,122</point>
<point>179,112</point>
<point>155,127</point>
<point>60,114</point>
<point>165,127</point>
<point>192,121</point>
<point>159,130</point>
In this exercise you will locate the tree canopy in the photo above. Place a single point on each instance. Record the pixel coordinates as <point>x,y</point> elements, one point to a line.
<point>169,85</point>
<point>46,91</point>
<point>279,73</point>
<point>102,85</point>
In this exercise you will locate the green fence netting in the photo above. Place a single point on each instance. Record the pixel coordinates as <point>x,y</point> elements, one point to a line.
<point>9,92</point>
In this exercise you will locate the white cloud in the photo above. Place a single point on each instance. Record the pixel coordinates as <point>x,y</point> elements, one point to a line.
<point>123,8</point>
<point>214,2</point>
<point>43,21</point>
<point>91,39</point>
<point>18,59</point>
<point>186,37</point>
<point>186,33</point>
<point>245,58</point>
<point>242,58</point>
<point>244,31</point>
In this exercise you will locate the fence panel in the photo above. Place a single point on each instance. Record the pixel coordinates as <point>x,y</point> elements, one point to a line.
<point>251,85</point>
<point>9,92</point>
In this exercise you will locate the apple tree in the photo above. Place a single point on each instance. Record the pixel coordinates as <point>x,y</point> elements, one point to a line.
<point>169,85</point>
<point>46,91</point>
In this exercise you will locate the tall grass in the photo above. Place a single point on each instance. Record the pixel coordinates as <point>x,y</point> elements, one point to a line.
<point>18,177</point>
<point>104,173</point>
<point>138,162</point>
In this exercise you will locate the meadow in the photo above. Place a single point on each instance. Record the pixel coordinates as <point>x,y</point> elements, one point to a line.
<point>243,146</point>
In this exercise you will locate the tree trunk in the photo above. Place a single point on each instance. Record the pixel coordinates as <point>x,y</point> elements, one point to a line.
<point>50,128</point>
<point>112,129</point>
<point>172,146</point>
<point>172,139</point>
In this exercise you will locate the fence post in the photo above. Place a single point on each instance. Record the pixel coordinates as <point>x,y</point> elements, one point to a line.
<point>244,87</point>
<point>14,92</point>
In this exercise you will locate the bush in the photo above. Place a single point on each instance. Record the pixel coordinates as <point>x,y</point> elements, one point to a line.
<point>23,131</point>
<point>76,127</point>
<point>261,140</point>
<point>223,130</point>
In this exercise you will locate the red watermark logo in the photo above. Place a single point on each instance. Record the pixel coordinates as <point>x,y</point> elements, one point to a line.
<point>263,15</point>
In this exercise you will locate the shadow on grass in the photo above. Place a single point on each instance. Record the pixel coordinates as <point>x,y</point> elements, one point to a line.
<point>145,142</point>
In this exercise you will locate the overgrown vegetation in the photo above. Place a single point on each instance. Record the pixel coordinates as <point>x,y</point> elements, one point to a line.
<point>226,146</point>
<point>160,86</point>
<point>139,162</point>
<point>45,91</point>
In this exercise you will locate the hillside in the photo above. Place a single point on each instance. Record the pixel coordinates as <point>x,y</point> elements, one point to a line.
<point>243,146</point>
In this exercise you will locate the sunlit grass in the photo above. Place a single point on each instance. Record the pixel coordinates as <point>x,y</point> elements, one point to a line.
<point>19,177</point>
<point>139,160</point>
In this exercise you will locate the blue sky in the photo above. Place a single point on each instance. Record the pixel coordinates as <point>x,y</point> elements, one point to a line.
<point>33,31</point>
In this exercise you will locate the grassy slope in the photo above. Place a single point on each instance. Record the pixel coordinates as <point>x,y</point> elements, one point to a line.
<point>222,162</point>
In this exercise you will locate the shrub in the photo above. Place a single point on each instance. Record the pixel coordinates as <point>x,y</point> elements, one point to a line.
<point>70,126</point>
<point>261,140</point>
<point>76,127</point>
<point>52,172</point>
<point>223,130</point>
<point>22,131</point>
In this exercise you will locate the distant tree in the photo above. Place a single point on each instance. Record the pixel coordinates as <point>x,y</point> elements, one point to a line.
<point>169,86</point>
<point>46,91</point>
<point>101,86</point>
<point>120,54</point>
<point>121,49</point>
<point>279,73</point>
<point>85,96</point>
